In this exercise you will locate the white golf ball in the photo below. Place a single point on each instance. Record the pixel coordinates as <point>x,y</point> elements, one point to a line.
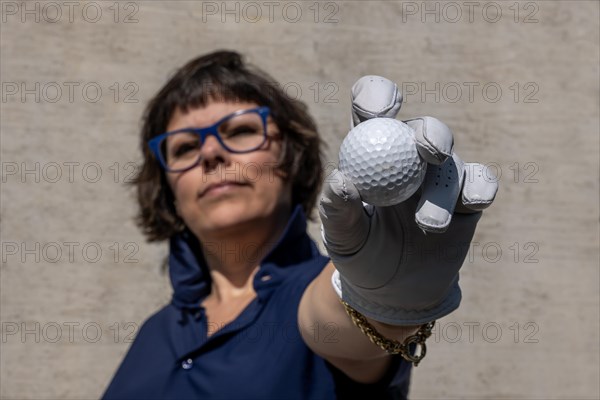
<point>380,157</point>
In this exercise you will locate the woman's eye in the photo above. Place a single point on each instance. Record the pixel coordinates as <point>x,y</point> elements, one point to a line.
<point>241,130</point>
<point>184,148</point>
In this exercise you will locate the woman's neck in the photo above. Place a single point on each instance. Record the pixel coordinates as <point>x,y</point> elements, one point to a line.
<point>234,258</point>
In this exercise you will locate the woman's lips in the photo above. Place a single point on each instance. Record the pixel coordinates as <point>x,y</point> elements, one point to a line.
<point>222,187</point>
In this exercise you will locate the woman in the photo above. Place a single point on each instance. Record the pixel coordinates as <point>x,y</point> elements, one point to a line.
<point>254,313</point>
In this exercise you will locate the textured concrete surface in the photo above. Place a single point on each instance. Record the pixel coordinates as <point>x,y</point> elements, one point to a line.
<point>528,326</point>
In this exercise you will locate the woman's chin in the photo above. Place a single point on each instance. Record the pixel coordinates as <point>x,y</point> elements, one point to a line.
<point>224,218</point>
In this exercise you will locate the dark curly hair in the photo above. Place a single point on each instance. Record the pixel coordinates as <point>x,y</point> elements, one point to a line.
<point>224,76</point>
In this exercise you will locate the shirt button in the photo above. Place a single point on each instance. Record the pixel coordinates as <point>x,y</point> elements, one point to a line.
<point>187,364</point>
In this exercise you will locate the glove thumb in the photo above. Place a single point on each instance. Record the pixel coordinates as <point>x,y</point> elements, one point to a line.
<point>344,220</point>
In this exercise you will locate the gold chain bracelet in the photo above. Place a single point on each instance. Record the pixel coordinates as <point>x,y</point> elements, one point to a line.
<point>389,345</point>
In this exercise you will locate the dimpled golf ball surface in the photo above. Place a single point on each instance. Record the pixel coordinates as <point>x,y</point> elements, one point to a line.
<point>380,157</point>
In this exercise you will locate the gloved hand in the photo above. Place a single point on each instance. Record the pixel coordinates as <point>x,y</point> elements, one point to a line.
<point>388,267</point>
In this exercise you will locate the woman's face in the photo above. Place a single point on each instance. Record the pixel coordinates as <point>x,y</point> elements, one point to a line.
<point>256,193</point>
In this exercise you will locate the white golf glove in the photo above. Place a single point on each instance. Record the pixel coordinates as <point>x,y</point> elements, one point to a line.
<point>388,267</point>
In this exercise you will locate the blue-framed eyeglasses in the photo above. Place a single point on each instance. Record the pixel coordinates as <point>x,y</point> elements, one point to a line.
<point>241,132</point>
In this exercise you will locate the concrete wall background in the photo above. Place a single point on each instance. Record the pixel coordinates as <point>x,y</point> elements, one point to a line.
<point>528,326</point>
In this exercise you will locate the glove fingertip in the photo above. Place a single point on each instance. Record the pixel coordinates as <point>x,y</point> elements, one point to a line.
<point>435,141</point>
<point>480,187</point>
<point>338,185</point>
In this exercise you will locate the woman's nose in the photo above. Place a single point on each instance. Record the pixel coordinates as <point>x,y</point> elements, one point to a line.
<point>212,152</point>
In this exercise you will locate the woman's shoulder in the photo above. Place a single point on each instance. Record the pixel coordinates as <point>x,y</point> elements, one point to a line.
<point>302,274</point>
<point>282,288</point>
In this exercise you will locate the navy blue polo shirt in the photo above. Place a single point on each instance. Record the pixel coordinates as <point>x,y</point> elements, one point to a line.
<point>259,355</point>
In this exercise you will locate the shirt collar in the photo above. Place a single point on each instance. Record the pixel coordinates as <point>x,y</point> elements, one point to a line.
<point>190,275</point>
